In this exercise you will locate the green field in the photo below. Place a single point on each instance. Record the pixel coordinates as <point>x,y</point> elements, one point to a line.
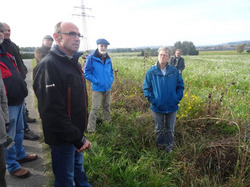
<point>211,133</point>
<point>210,143</point>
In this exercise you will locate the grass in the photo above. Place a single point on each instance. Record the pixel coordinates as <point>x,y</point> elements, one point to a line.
<point>213,115</point>
<point>211,145</point>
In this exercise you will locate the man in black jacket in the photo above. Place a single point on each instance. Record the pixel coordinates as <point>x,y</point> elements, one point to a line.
<point>177,61</point>
<point>13,49</point>
<point>60,88</point>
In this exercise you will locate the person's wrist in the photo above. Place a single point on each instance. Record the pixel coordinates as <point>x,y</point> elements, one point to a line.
<point>84,140</point>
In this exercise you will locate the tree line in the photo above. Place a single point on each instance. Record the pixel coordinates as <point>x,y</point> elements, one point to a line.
<point>187,47</point>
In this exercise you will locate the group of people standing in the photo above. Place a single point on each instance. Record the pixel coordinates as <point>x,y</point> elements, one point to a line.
<point>13,111</point>
<point>60,87</point>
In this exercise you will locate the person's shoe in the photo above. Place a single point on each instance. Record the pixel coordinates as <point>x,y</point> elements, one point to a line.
<point>21,173</point>
<point>30,120</point>
<point>168,150</point>
<point>29,135</point>
<point>28,158</point>
<point>161,146</point>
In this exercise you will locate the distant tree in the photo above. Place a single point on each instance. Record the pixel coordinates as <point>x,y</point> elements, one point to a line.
<point>27,55</point>
<point>248,51</point>
<point>30,49</point>
<point>188,48</point>
<point>177,45</point>
<point>149,52</point>
<point>240,48</point>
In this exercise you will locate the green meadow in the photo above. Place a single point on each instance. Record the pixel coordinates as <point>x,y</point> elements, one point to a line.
<point>211,142</point>
<point>211,133</point>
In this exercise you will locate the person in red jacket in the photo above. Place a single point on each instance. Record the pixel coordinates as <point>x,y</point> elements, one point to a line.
<point>13,49</point>
<point>16,91</point>
<point>4,121</point>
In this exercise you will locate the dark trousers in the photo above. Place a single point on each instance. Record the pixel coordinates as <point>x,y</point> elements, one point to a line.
<point>2,167</point>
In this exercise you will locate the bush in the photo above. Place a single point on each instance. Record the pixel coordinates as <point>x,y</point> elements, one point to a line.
<point>27,55</point>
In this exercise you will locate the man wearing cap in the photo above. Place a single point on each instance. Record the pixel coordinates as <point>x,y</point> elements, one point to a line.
<point>98,70</point>
<point>41,52</point>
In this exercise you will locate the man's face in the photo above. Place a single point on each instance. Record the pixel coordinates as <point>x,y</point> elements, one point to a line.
<point>7,31</point>
<point>163,58</point>
<point>102,48</point>
<point>47,42</point>
<point>66,42</point>
<point>1,35</point>
<point>177,53</point>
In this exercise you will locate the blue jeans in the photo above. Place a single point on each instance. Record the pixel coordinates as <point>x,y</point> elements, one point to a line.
<point>26,126</point>
<point>165,136</point>
<point>15,131</point>
<point>67,165</point>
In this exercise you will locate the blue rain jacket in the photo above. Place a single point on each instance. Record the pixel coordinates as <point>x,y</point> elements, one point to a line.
<point>100,74</point>
<point>163,91</point>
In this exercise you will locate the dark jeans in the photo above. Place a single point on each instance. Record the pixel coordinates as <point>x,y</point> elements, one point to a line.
<point>165,131</point>
<point>67,165</point>
<point>2,167</point>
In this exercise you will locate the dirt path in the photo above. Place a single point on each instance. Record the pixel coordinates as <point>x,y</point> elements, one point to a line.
<point>37,178</point>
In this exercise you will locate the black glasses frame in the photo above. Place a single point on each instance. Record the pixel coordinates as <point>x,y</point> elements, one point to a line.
<point>72,34</point>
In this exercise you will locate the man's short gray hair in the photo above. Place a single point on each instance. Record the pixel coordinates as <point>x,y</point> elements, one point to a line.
<point>2,27</point>
<point>166,49</point>
<point>58,27</point>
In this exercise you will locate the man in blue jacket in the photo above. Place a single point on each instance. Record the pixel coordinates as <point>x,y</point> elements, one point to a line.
<point>98,70</point>
<point>163,86</point>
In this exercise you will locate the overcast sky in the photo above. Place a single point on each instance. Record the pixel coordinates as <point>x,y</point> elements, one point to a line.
<point>132,23</point>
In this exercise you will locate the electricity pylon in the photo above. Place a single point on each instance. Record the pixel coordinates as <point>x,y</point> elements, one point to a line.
<point>83,14</point>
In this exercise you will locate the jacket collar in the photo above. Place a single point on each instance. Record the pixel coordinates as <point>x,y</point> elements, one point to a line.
<point>2,50</point>
<point>158,65</point>
<point>7,40</point>
<point>55,49</point>
<point>157,70</point>
<point>98,55</point>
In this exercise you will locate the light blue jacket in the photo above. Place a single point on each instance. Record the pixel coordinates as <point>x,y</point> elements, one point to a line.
<point>98,73</point>
<point>163,91</point>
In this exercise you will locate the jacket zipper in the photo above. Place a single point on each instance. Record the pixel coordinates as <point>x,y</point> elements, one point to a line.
<point>69,101</point>
<point>85,94</point>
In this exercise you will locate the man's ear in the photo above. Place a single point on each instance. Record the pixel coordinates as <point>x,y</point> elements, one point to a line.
<point>57,36</point>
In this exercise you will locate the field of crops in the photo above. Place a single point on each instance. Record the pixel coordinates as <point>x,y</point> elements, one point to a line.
<point>211,140</point>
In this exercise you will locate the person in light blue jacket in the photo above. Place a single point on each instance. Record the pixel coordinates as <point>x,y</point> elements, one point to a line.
<point>98,70</point>
<point>163,86</point>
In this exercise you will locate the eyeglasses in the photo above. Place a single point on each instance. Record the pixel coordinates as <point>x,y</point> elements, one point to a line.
<point>163,55</point>
<point>72,34</point>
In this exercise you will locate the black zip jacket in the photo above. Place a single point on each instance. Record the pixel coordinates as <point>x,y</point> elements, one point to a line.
<point>15,86</point>
<point>60,88</point>
<point>14,50</point>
